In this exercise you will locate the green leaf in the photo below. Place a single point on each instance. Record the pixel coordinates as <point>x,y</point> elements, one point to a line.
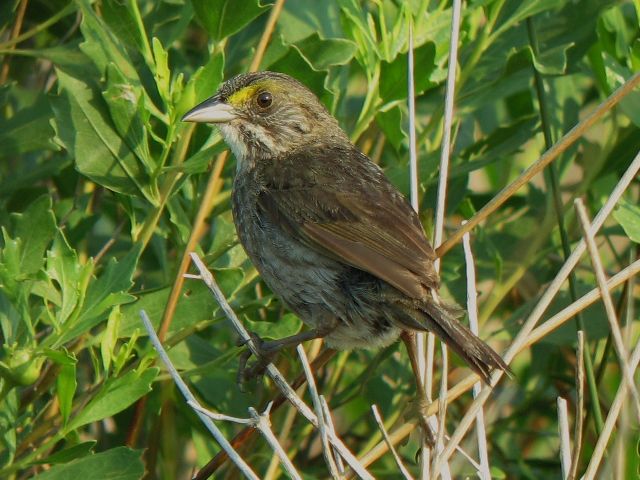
<point>296,65</point>
<point>125,101</point>
<point>35,227</point>
<point>500,145</point>
<point>84,128</point>
<point>394,75</point>
<point>357,26</point>
<point>551,61</point>
<point>222,18</point>
<point>12,323</point>
<point>500,76</point>
<point>196,304</point>
<point>287,325</point>
<point>65,381</point>
<point>70,453</point>
<point>28,130</point>
<point>390,121</point>
<point>115,396</point>
<point>119,463</point>
<point>10,263</point>
<point>108,291</point>
<point>324,53</point>
<point>110,338</point>
<point>72,277</point>
<point>162,73</point>
<point>100,45</point>
<point>519,10</point>
<point>202,84</point>
<point>301,18</point>
<point>200,162</point>
<point>617,75</point>
<point>9,412</point>
<point>628,216</point>
<point>120,18</point>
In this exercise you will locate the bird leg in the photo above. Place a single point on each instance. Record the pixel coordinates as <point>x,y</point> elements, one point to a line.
<point>409,339</point>
<point>267,350</point>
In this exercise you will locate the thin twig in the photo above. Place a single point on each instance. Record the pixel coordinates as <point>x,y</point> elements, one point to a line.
<point>563,433</point>
<point>244,435</point>
<point>610,310</point>
<point>317,405</point>
<point>413,153</point>
<point>438,233</point>
<point>271,369</point>
<point>329,421</point>
<point>424,358</point>
<point>610,422</point>
<point>109,243</point>
<point>583,302</point>
<point>442,414</point>
<point>445,151</point>
<point>413,182</point>
<point>550,155</point>
<point>472,309</point>
<point>274,14</point>
<point>468,457</point>
<point>577,435</point>
<point>287,420</point>
<point>217,434</point>
<point>54,18</point>
<point>403,470</point>
<point>15,31</point>
<point>221,417</point>
<point>263,424</point>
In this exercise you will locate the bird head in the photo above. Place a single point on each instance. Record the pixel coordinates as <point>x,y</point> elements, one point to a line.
<point>265,115</point>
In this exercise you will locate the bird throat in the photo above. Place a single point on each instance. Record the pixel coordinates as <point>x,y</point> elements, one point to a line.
<point>251,142</point>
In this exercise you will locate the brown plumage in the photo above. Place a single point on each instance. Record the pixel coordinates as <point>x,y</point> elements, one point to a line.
<point>325,228</point>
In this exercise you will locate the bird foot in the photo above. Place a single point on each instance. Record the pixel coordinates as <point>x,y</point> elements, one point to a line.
<point>417,410</point>
<point>266,353</point>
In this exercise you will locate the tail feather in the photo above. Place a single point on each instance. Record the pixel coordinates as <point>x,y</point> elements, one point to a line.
<point>442,321</point>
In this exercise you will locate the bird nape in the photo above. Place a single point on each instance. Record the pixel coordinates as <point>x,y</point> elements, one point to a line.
<point>328,232</point>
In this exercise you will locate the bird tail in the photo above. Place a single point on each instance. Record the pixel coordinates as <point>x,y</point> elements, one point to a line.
<point>442,320</point>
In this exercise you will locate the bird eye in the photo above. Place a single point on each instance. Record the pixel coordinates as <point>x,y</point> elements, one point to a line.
<point>264,100</point>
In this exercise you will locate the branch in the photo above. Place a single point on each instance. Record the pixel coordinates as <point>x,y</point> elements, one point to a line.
<point>191,400</point>
<point>272,371</point>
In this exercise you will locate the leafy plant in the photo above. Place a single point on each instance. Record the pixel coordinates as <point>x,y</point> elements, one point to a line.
<point>104,192</point>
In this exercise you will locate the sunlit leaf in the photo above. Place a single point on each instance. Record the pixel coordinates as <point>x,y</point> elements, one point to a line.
<point>222,18</point>
<point>119,463</point>
<point>114,396</point>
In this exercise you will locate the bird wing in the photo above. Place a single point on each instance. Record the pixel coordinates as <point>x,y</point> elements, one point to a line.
<point>358,217</point>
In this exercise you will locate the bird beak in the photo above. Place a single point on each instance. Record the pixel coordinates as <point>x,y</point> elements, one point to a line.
<point>212,110</point>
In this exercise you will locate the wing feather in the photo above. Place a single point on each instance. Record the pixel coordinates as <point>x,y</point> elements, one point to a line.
<point>360,220</point>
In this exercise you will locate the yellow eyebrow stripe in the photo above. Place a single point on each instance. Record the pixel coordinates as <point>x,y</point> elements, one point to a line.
<point>244,94</point>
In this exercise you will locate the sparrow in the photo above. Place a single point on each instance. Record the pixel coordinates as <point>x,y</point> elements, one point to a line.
<point>328,232</point>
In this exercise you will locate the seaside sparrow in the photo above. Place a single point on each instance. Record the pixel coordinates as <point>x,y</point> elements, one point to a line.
<point>330,235</point>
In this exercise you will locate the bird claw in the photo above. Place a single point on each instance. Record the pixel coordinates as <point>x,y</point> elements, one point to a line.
<point>266,351</point>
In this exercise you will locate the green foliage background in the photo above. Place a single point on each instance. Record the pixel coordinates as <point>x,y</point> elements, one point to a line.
<point>100,184</point>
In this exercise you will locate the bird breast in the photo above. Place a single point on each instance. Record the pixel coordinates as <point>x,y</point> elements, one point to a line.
<point>301,276</point>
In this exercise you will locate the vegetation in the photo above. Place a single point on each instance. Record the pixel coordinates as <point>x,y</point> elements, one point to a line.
<point>104,192</point>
